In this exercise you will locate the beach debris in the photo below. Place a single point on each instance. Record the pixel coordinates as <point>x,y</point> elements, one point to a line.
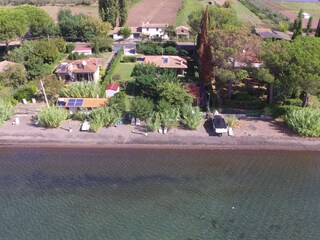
<point>215,224</point>
<point>16,121</point>
<point>230,131</point>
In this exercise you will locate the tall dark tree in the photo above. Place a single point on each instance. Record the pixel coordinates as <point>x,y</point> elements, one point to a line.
<point>318,30</point>
<point>109,10</point>
<point>204,55</point>
<point>297,25</point>
<point>309,26</point>
<point>123,12</point>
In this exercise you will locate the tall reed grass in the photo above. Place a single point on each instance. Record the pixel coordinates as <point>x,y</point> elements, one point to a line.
<point>53,117</point>
<point>6,111</point>
<point>83,89</point>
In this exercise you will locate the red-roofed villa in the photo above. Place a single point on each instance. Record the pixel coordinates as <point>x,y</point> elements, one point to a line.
<point>79,70</point>
<point>171,62</point>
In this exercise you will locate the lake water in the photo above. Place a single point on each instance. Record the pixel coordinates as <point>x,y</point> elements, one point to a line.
<point>48,193</point>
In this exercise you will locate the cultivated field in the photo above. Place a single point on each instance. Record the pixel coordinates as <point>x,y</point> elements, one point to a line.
<point>91,10</point>
<point>291,9</point>
<point>246,16</point>
<point>154,11</point>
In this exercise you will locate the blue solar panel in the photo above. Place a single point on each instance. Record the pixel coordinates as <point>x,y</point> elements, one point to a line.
<point>71,102</point>
<point>78,103</point>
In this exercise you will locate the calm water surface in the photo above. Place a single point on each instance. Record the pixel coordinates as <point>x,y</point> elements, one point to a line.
<point>48,193</point>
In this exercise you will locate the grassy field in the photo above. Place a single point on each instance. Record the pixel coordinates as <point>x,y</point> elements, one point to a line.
<point>246,16</point>
<point>125,70</point>
<point>312,8</point>
<point>187,7</point>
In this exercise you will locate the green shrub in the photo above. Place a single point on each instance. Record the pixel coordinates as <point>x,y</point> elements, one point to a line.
<point>231,120</point>
<point>26,92</point>
<point>127,59</point>
<point>171,50</point>
<point>79,116</point>
<point>304,121</point>
<point>293,102</point>
<point>76,56</point>
<point>191,117</point>
<point>6,111</point>
<point>314,101</point>
<point>52,117</point>
<point>70,47</point>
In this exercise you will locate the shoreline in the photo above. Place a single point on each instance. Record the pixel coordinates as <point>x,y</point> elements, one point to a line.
<point>251,134</point>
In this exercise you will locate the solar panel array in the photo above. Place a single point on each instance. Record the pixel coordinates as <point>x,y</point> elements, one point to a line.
<point>75,102</point>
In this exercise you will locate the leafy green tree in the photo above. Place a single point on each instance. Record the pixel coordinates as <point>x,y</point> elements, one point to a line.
<point>174,93</point>
<point>125,32</point>
<point>53,87</point>
<point>264,75</point>
<point>295,66</point>
<point>142,107</point>
<point>229,48</point>
<point>14,76</point>
<point>14,24</point>
<point>102,44</point>
<point>39,22</point>
<point>170,32</point>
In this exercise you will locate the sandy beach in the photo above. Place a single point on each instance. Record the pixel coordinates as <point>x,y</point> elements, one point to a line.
<point>250,133</point>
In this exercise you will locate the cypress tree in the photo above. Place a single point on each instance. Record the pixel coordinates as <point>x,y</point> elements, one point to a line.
<point>108,10</point>
<point>297,25</point>
<point>123,12</point>
<point>318,30</point>
<point>309,26</point>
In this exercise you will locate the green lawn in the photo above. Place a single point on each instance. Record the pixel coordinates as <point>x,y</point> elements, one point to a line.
<point>245,15</point>
<point>312,8</point>
<point>187,7</point>
<point>125,70</point>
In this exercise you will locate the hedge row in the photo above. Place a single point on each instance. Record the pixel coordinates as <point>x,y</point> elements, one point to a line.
<point>110,70</point>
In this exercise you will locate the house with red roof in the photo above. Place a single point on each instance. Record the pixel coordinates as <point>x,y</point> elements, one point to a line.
<point>86,50</point>
<point>194,90</point>
<point>79,70</point>
<point>112,89</point>
<point>170,62</point>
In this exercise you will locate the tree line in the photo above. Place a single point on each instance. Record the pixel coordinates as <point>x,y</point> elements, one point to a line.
<point>114,11</point>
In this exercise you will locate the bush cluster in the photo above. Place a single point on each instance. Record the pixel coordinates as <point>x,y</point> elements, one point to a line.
<point>156,48</point>
<point>127,59</point>
<point>304,121</point>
